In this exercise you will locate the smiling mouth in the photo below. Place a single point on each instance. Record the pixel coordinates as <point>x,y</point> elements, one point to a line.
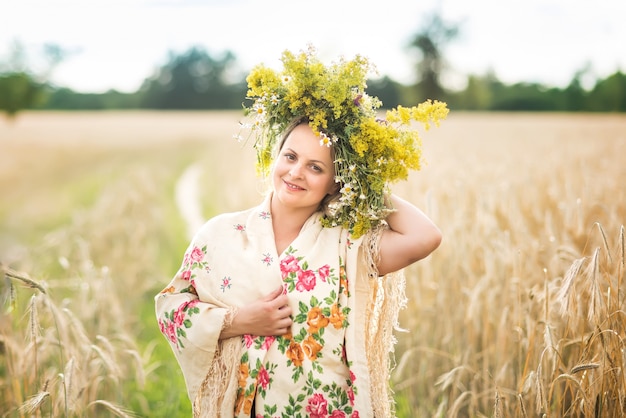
<point>292,186</point>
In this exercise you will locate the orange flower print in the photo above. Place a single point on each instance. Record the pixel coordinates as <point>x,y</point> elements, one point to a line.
<point>170,289</point>
<point>336,316</point>
<point>244,372</point>
<point>316,320</point>
<point>343,280</point>
<point>295,354</point>
<point>239,402</point>
<point>311,347</point>
<point>247,404</point>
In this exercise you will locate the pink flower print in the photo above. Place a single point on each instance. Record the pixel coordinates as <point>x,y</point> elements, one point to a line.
<point>324,271</point>
<point>350,393</point>
<point>267,342</point>
<point>349,243</point>
<point>263,378</point>
<point>355,414</point>
<point>317,406</point>
<point>226,283</point>
<point>186,275</point>
<point>337,413</point>
<point>169,330</point>
<point>289,264</point>
<point>352,376</point>
<point>178,318</point>
<point>196,255</point>
<point>306,280</point>
<point>179,315</point>
<point>264,215</point>
<point>240,227</point>
<point>267,259</point>
<point>248,340</point>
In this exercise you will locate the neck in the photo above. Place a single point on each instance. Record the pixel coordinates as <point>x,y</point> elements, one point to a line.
<point>287,219</point>
<point>286,224</point>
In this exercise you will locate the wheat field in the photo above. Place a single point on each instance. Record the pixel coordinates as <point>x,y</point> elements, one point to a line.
<point>519,313</point>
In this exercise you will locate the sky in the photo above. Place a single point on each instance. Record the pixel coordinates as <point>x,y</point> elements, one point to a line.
<point>116,44</point>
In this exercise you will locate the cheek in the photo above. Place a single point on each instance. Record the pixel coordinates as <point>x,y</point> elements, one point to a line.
<point>277,169</point>
<point>331,186</point>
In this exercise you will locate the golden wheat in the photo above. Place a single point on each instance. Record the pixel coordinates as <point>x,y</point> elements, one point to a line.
<point>519,313</point>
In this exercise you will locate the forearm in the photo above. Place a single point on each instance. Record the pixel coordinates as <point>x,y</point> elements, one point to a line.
<point>234,325</point>
<point>407,219</point>
<point>411,236</point>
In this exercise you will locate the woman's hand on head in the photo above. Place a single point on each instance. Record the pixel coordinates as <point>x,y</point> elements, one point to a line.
<point>411,236</point>
<point>269,315</point>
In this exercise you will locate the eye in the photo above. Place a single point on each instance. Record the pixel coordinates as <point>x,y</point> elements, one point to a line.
<point>289,156</point>
<point>316,168</point>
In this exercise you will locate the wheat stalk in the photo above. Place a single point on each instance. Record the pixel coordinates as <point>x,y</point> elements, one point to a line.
<point>22,278</point>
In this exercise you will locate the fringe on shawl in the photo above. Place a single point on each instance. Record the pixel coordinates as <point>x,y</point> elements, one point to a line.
<point>386,298</point>
<point>218,390</point>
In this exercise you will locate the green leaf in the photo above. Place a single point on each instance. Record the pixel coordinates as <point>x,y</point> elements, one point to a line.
<point>303,308</point>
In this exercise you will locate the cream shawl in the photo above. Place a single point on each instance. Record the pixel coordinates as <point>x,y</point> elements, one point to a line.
<point>231,262</point>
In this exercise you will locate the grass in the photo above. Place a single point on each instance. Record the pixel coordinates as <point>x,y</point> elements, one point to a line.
<point>519,313</point>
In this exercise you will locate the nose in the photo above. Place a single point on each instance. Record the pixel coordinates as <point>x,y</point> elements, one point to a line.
<point>296,171</point>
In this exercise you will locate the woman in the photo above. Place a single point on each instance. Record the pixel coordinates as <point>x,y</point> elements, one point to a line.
<point>287,309</point>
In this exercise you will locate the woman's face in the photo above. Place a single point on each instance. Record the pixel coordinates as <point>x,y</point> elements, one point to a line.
<point>304,172</point>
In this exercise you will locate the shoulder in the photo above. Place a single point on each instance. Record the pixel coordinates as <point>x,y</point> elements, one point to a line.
<point>220,224</point>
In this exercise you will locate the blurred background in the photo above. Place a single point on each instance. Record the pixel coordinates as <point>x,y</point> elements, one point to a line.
<point>117,142</point>
<point>188,54</point>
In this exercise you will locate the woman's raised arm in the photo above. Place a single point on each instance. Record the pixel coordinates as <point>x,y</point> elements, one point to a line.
<point>411,237</point>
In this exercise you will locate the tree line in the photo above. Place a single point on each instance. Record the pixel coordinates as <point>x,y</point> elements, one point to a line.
<point>198,80</point>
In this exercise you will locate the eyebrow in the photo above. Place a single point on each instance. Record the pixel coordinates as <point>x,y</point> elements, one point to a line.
<point>312,161</point>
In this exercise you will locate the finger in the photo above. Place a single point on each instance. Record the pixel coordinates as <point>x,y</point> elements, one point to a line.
<point>285,311</point>
<point>283,314</point>
<point>283,331</point>
<point>281,303</point>
<point>273,294</point>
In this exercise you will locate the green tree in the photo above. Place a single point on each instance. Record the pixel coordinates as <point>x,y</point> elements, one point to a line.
<point>20,87</point>
<point>477,95</point>
<point>387,90</point>
<point>193,80</point>
<point>574,95</point>
<point>609,95</point>
<point>18,91</point>
<point>430,41</point>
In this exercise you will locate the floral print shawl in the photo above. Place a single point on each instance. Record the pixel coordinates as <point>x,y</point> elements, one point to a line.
<point>341,333</point>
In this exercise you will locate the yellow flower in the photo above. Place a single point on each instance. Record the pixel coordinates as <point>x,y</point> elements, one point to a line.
<point>369,153</point>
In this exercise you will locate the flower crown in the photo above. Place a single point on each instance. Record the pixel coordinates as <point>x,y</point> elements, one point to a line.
<point>370,153</point>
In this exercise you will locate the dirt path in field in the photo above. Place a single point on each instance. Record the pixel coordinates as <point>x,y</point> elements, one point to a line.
<point>187,198</point>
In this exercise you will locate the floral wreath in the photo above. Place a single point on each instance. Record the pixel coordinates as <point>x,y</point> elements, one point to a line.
<point>370,152</point>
